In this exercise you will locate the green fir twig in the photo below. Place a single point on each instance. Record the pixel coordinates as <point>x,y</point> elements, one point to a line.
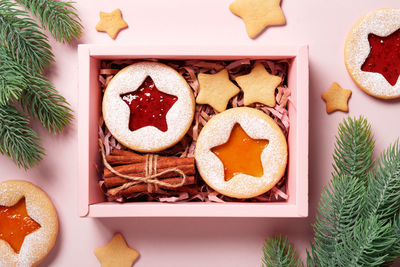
<point>354,148</point>
<point>17,140</point>
<point>60,18</point>
<point>12,83</point>
<point>383,197</point>
<point>24,53</point>
<point>278,252</point>
<point>39,98</point>
<point>22,38</point>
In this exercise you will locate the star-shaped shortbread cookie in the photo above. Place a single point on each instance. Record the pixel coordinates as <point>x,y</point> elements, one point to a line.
<point>216,90</point>
<point>258,14</point>
<point>259,86</point>
<point>116,253</point>
<point>111,23</point>
<point>336,98</point>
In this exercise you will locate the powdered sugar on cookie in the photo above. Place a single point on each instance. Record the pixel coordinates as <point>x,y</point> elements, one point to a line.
<point>39,207</point>
<point>381,22</point>
<point>148,139</point>
<point>258,126</point>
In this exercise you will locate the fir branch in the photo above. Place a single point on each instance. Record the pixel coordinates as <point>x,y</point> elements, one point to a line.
<point>278,252</point>
<point>17,140</point>
<point>21,36</point>
<point>353,149</point>
<point>396,245</point>
<point>43,102</point>
<point>40,98</point>
<point>368,244</point>
<point>383,193</point>
<point>12,83</point>
<point>59,18</point>
<point>338,209</point>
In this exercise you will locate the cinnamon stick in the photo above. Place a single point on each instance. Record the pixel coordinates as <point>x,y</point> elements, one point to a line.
<point>115,192</point>
<point>137,169</point>
<point>118,181</point>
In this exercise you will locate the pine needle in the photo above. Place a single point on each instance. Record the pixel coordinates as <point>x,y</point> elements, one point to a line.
<point>17,140</point>
<point>353,149</point>
<point>58,17</point>
<point>278,252</point>
<point>367,244</point>
<point>383,197</point>
<point>338,210</point>
<point>12,83</point>
<point>21,36</point>
<point>39,97</point>
<point>43,102</point>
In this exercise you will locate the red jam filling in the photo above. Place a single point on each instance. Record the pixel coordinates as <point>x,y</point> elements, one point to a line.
<point>15,224</point>
<point>148,106</point>
<point>384,57</point>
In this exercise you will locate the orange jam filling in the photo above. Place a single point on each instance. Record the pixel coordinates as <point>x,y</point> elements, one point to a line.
<point>241,154</point>
<point>15,224</point>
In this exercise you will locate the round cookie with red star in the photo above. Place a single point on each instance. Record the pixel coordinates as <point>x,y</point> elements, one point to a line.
<point>372,53</point>
<point>148,106</point>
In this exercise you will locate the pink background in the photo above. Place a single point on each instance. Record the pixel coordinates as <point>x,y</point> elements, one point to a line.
<point>204,241</point>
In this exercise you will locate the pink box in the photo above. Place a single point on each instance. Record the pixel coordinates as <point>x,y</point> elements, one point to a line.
<point>91,200</point>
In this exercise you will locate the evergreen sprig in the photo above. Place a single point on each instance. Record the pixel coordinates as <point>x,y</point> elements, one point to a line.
<point>43,102</point>
<point>382,197</point>
<point>354,148</point>
<point>24,53</point>
<point>278,252</point>
<point>58,17</point>
<point>39,97</point>
<point>338,207</point>
<point>358,221</point>
<point>367,244</point>
<point>22,38</point>
<point>12,82</point>
<point>17,140</point>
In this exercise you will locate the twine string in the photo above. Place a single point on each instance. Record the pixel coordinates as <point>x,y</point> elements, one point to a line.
<point>150,173</point>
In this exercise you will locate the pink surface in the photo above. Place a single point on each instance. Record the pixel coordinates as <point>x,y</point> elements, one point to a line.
<point>91,200</point>
<point>204,241</point>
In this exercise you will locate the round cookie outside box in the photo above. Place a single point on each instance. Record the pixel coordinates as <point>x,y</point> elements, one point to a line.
<point>370,59</point>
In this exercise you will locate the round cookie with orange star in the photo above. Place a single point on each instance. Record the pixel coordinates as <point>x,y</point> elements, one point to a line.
<point>241,153</point>
<point>28,224</point>
<point>148,106</point>
<point>372,52</point>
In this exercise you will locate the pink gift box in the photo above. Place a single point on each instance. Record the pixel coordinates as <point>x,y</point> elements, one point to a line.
<point>91,201</point>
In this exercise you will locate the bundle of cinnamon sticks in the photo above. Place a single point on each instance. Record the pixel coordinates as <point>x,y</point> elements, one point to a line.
<point>132,164</point>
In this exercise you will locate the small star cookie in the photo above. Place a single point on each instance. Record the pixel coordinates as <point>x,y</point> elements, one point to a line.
<point>258,14</point>
<point>116,253</point>
<point>336,98</point>
<point>111,23</point>
<point>259,86</point>
<point>216,90</point>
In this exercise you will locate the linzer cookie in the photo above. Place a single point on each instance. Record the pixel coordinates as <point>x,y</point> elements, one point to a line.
<point>28,224</point>
<point>372,52</point>
<point>148,106</point>
<point>241,153</point>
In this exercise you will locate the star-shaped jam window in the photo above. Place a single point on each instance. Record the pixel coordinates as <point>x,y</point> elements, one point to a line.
<point>384,57</point>
<point>241,154</point>
<point>148,106</point>
<point>15,224</point>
